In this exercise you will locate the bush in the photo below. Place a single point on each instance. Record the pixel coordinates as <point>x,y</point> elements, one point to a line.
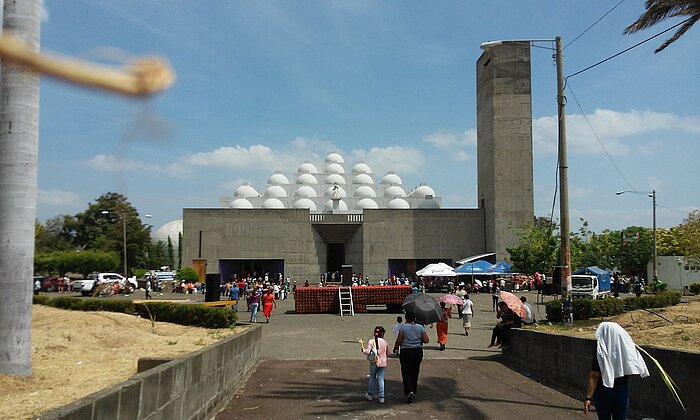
<point>40,299</point>
<point>196,315</point>
<point>694,288</point>
<point>187,274</point>
<point>183,314</point>
<point>590,308</point>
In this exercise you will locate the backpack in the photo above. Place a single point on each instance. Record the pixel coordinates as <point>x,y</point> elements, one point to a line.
<point>373,356</point>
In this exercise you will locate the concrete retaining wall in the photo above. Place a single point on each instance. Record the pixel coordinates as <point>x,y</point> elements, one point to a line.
<point>566,361</point>
<point>190,387</point>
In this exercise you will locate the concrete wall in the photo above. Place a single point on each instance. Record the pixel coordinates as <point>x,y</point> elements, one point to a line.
<point>194,386</point>
<point>289,234</point>
<point>676,271</point>
<point>504,143</point>
<point>566,362</point>
<point>419,234</point>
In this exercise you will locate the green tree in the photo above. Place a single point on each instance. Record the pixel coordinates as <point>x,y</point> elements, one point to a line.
<point>658,11</point>
<point>83,262</point>
<point>101,227</point>
<point>689,232</point>
<point>538,248</point>
<point>170,254</point>
<point>187,274</point>
<point>635,250</point>
<point>56,234</point>
<point>156,255</point>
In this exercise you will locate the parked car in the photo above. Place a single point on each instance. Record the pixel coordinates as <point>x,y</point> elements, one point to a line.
<point>87,287</point>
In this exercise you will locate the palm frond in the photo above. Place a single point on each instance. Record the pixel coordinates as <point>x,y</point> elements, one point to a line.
<point>666,377</point>
<point>683,29</point>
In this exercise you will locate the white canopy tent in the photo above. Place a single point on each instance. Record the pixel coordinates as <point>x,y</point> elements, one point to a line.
<point>437,270</point>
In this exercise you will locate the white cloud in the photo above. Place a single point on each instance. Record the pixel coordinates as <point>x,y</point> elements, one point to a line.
<point>111,163</point>
<point>614,129</point>
<point>57,198</point>
<point>397,158</point>
<point>451,140</point>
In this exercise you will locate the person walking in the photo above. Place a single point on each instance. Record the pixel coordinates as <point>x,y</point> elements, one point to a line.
<point>377,352</point>
<point>268,301</point>
<point>616,359</point>
<point>495,296</point>
<point>442,326</point>
<point>411,339</point>
<point>467,314</point>
<point>148,289</point>
<point>254,303</point>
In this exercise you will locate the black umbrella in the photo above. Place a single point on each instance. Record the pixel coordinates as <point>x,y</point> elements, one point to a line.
<point>426,309</point>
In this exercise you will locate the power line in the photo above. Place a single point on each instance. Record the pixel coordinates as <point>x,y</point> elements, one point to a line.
<point>594,23</point>
<point>628,49</point>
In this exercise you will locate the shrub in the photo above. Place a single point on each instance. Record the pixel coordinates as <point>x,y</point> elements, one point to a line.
<point>40,299</point>
<point>590,308</point>
<point>187,274</point>
<point>187,314</point>
<point>694,288</point>
<point>183,314</point>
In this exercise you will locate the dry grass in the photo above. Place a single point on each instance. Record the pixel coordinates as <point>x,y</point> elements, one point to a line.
<point>77,353</point>
<point>680,329</point>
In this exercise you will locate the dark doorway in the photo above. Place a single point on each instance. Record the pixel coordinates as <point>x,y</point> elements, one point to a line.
<point>335,257</point>
<point>230,268</point>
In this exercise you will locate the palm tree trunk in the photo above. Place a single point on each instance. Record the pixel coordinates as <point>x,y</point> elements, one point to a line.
<point>19,140</point>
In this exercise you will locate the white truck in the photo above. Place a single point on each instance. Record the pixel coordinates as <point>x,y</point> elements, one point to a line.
<point>590,283</point>
<point>87,287</point>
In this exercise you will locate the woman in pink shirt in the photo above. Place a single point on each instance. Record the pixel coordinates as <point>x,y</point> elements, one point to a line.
<point>377,351</point>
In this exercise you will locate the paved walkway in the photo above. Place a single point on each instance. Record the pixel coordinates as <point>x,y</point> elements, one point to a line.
<point>311,367</point>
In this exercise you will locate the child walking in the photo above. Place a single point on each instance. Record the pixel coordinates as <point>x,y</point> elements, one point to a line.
<point>377,351</point>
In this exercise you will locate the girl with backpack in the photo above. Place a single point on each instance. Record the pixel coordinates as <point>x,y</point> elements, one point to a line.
<point>377,351</point>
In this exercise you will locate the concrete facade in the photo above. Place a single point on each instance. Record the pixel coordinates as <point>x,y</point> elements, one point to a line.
<point>304,240</point>
<point>504,143</point>
<point>372,242</point>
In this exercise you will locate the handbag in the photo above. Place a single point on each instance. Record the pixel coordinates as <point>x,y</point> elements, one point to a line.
<point>372,356</point>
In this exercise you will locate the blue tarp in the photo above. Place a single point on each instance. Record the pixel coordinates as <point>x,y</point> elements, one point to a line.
<point>592,270</point>
<point>476,267</point>
<point>501,267</point>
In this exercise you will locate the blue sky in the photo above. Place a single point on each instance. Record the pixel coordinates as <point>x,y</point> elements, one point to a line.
<point>267,85</point>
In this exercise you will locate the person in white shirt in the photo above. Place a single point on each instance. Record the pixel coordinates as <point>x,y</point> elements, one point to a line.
<point>467,314</point>
<point>529,315</point>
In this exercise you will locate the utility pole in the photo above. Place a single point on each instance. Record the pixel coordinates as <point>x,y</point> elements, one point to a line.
<point>565,252</point>
<point>653,260</point>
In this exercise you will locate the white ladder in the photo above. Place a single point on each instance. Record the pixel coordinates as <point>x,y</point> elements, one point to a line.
<point>345,298</point>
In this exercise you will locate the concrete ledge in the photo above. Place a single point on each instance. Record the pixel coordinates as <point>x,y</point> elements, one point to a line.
<point>566,361</point>
<point>189,387</point>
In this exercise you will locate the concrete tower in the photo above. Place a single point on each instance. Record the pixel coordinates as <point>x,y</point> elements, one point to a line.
<point>504,143</point>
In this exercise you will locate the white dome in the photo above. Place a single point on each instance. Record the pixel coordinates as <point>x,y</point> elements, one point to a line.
<point>335,168</point>
<point>394,191</point>
<point>341,191</point>
<point>341,205</point>
<point>398,203</point>
<point>334,158</point>
<point>307,168</point>
<point>272,203</point>
<point>361,168</point>
<point>306,179</point>
<point>365,191</point>
<point>278,179</point>
<point>428,203</point>
<point>305,191</point>
<point>275,191</point>
<point>422,190</point>
<point>241,203</point>
<point>391,178</point>
<point>366,203</point>
<point>335,179</point>
<point>245,191</point>
<point>171,230</point>
<point>305,203</point>
<point>363,179</point>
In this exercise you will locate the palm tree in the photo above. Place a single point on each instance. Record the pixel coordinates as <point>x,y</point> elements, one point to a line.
<point>19,141</point>
<point>660,10</point>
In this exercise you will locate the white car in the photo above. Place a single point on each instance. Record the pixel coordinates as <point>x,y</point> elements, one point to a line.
<point>87,287</point>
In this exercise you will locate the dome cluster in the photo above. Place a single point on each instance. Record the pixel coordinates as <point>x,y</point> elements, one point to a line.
<point>333,190</point>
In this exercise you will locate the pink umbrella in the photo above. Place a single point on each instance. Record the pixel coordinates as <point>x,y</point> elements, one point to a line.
<point>513,303</point>
<point>451,300</point>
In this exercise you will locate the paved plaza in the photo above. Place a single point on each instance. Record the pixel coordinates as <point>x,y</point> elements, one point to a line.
<point>311,368</point>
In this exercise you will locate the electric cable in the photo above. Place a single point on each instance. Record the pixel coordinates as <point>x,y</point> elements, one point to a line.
<point>628,49</point>
<point>594,23</point>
